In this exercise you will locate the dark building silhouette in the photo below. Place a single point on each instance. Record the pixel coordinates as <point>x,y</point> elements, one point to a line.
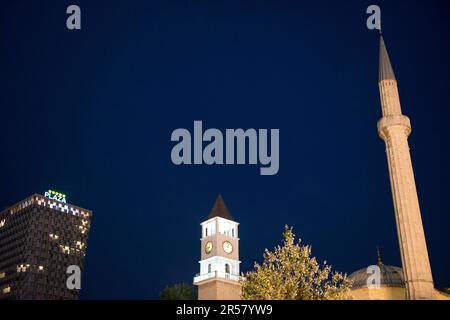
<point>40,238</point>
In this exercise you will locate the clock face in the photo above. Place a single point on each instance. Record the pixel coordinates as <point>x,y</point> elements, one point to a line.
<point>227,247</point>
<point>208,247</point>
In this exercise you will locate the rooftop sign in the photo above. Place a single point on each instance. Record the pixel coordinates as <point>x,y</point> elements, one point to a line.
<point>55,196</point>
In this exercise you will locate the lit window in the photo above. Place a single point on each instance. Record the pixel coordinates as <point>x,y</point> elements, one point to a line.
<point>65,249</point>
<point>22,267</point>
<point>6,290</point>
<point>82,229</point>
<point>79,244</point>
<point>53,236</point>
<point>41,268</point>
<point>2,222</point>
<point>2,275</point>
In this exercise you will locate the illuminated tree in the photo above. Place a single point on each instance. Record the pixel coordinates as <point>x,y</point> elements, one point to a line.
<point>290,273</point>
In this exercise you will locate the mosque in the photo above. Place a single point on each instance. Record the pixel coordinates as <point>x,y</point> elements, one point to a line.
<point>219,277</point>
<point>414,281</point>
<point>390,287</point>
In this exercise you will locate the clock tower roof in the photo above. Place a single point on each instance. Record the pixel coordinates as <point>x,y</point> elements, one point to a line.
<point>220,209</point>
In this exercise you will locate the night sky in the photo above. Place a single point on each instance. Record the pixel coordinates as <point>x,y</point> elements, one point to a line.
<point>90,113</point>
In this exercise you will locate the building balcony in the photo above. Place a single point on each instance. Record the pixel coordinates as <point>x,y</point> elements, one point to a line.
<point>217,274</point>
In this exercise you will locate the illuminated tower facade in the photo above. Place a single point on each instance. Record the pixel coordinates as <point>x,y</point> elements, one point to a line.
<point>219,265</point>
<point>394,128</point>
<point>40,237</point>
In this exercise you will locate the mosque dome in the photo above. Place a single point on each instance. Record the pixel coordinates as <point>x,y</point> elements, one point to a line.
<point>390,276</point>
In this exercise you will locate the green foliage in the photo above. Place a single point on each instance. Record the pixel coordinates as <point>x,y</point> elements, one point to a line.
<point>290,273</point>
<point>179,291</point>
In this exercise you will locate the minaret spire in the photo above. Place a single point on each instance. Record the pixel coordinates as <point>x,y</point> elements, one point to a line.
<point>385,71</point>
<point>394,128</point>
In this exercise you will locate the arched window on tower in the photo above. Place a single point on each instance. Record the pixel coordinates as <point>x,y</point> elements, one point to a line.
<point>209,268</point>
<point>227,268</point>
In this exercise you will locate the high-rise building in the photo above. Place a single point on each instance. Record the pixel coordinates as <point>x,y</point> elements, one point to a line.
<point>40,237</point>
<point>219,265</point>
<point>394,128</point>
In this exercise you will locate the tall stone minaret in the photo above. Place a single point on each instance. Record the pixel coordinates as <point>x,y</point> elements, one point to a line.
<point>394,128</point>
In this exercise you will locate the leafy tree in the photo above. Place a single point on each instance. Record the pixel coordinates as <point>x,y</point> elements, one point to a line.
<point>179,291</point>
<point>290,273</point>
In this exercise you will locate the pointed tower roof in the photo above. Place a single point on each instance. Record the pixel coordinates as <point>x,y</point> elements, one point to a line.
<point>385,71</point>
<point>220,209</point>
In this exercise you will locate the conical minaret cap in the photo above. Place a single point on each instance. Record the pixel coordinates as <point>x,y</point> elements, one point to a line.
<point>385,71</point>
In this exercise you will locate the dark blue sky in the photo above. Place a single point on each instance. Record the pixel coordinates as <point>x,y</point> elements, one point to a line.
<point>90,113</point>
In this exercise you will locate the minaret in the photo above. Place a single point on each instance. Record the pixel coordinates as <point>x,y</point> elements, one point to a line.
<point>394,128</point>
<point>219,277</point>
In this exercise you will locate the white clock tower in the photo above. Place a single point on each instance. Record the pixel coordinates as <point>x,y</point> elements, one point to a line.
<point>219,265</point>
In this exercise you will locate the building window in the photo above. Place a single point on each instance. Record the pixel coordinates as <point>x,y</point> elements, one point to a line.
<point>2,275</point>
<point>227,268</point>
<point>232,232</point>
<point>65,249</point>
<point>23,267</point>
<point>209,268</point>
<point>80,245</point>
<point>206,232</point>
<point>82,229</point>
<point>6,290</point>
<point>53,236</point>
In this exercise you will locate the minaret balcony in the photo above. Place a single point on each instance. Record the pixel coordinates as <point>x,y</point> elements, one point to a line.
<point>393,121</point>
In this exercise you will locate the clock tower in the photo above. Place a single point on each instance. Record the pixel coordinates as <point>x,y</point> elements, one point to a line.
<point>219,264</point>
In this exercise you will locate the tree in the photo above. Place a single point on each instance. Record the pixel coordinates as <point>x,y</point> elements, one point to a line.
<point>179,291</point>
<point>290,273</point>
